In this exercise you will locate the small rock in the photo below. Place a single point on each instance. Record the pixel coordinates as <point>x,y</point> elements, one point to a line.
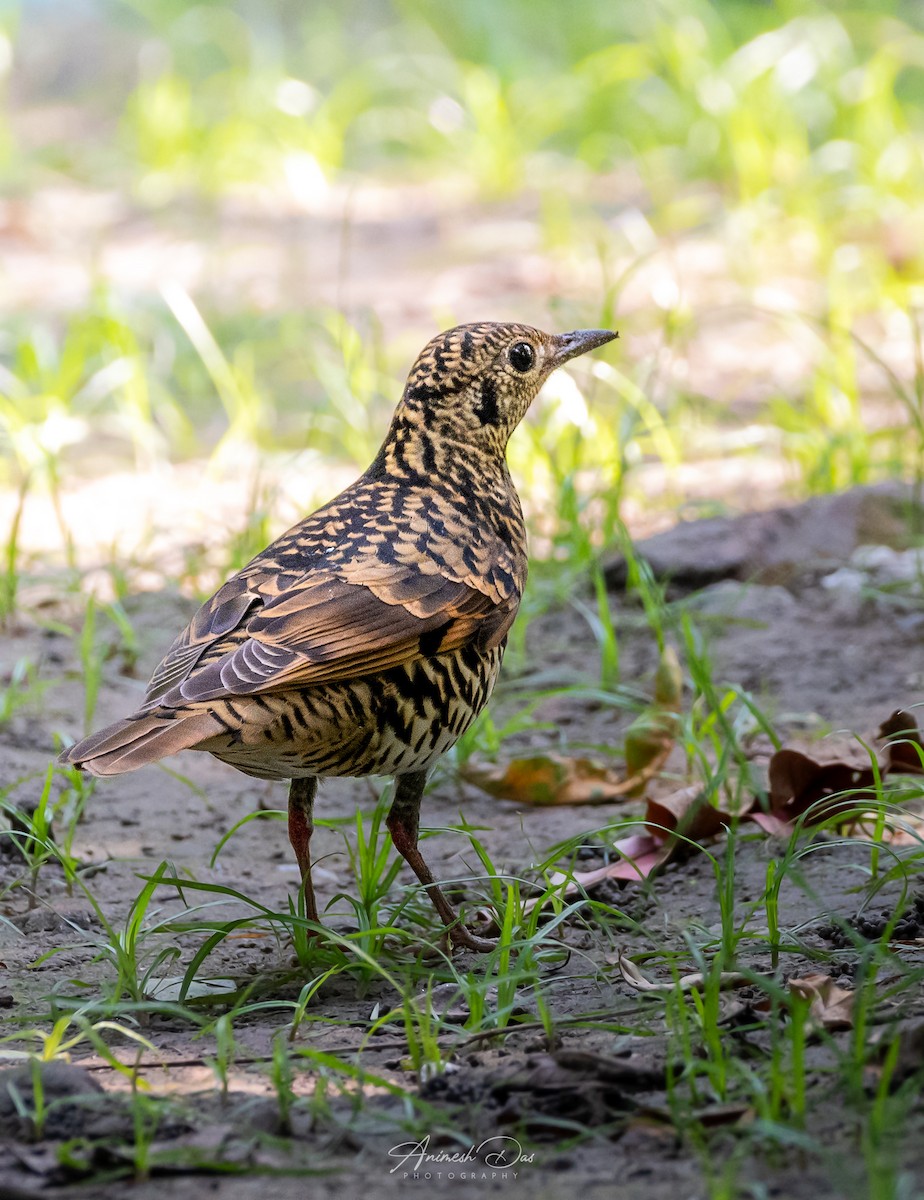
<point>40,920</point>
<point>263,1116</point>
<point>886,565</point>
<point>845,579</point>
<point>775,546</point>
<point>910,1054</point>
<point>874,560</point>
<point>912,623</point>
<point>745,601</point>
<point>60,1082</point>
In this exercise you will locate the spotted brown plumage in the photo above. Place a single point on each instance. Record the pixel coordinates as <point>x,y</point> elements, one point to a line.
<point>367,638</point>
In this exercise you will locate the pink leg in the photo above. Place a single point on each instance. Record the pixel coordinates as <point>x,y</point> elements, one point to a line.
<point>403,823</point>
<point>301,826</point>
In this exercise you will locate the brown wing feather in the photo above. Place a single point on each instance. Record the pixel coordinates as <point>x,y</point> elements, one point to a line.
<point>324,629</point>
<point>217,618</point>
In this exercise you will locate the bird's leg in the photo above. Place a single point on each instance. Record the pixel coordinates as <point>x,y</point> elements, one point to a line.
<point>301,826</point>
<point>403,822</point>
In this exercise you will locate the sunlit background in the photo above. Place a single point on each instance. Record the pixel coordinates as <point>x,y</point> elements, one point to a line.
<point>226,229</point>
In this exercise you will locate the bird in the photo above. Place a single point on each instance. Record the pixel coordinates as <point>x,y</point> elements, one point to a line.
<point>367,638</point>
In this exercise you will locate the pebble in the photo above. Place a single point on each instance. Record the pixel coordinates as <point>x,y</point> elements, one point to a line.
<point>745,601</point>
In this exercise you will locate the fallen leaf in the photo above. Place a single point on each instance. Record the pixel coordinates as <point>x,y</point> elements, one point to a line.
<point>633,976</point>
<point>800,787</point>
<point>687,983</point>
<point>640,853</point>
<point>904,744</point>
<point>715,1115</point>
<point>170,988</point>
<point>771,824</point>
<point>555,779</point>
<point>798,783</point>
<point>831,1007</point>
<point>686,812</point>
<point>549,779</point>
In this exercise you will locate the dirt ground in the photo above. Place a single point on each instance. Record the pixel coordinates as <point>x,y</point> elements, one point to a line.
<point>822,652</point>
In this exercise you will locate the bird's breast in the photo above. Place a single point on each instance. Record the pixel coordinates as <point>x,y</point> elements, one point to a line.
<point>400,720</point>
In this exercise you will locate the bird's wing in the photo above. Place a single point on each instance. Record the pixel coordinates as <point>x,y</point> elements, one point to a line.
<point>323,628</point>
<point>216,620</point>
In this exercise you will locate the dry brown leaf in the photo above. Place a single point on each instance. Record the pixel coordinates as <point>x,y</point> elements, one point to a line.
<point>801,785</point>
<point>555,779</point>
<point>640,855</point>
<point>904,745</point>
<point>715,1115</point>
<point>548,779</point>
<point>798,782</point>
<point>686,812</point>
<point>770,823</point>
<point>831,1007</point>
<point>687,983</point>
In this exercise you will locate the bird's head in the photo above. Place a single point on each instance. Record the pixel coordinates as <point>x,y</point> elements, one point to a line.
<point>474,383</point>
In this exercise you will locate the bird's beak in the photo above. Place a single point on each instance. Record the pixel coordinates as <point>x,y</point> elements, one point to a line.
<point>570,345</point>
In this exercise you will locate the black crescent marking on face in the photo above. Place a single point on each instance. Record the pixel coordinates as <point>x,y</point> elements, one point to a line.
<point>486,410</point>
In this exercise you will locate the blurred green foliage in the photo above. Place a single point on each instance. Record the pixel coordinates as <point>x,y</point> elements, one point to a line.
<point>817,107</point>
<point>792,132</point>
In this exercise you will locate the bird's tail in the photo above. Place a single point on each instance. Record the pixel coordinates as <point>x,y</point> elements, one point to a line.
<point>139,739</point>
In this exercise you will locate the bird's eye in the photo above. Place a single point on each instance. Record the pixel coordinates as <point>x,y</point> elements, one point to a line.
<point>522,356</point>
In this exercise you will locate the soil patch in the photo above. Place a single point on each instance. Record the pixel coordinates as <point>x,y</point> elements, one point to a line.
<point>583,1091</point>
